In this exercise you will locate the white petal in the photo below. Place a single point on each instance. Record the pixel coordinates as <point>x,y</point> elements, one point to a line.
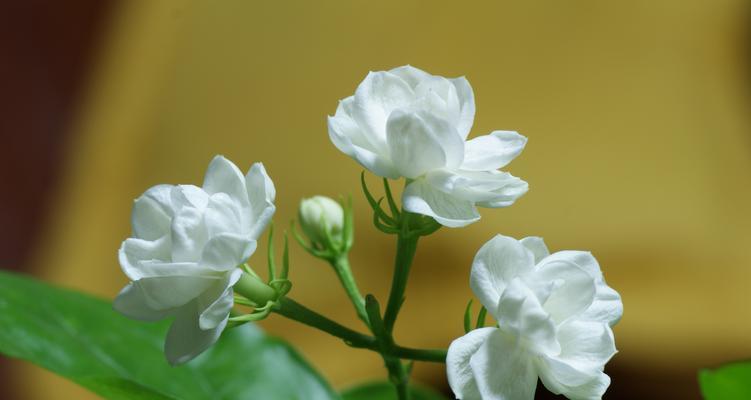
<point>152,269</point>
<point>226,251</point>
<point>572,292</point>
<point>487,189</point>
<point>132,303</point>
<point>520,313</point>
<point>438,97</point>
<point>493,151</point>
<point>189,196</point>
<point>343,126</point>
<point>537,246</point>
<point>467,104</point>
<point>607,305</point>
<point>421,198</point>
<point>224,215</point>
<point>223,176</point>
<point>189,235</point>
<point>375,163</point>
<point>503,370</point>
<point>152,212</point>
<point>459,373</point>
<point>411,75</point>
<point>217,302</point>
<point>583,259</point>
<point>586,345</point>
<point>420,142</point>
<point>133,252</point>
<point>376,97</point>
<point>496,264</point>
<point>185,339</point>
<point>364,147</point>
<point>261,192</point>
<point>577,372</point>
<point>164,292</point>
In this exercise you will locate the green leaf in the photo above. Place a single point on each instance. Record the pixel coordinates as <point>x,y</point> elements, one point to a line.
<point>80,337</point>
<point>385,391</point>
<point>731,381</point>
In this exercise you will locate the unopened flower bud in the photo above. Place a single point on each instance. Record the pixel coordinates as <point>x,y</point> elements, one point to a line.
<point>321,216</point>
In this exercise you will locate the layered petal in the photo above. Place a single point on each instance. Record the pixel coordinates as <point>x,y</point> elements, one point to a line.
<point>223,176</point>
<point>223,215</point>
<point>189,235</point>
<point>520,314</point>
<point>489,189</point>
<point>132,303</point>
<point>152,212</point>
<point>460,376</point>
<point>503,370</point>
<point>571,290</point>
<point>188,196</point>
<point>496,264</point>
<point>606,305</point>
<point>422,198</point>
<point>367,149</point>
<point>493,151</point>
<point>217,301</point>
<point>537,246</point>
<point>185,339</point>
<point>467,105</point>
<point>135,252</point>
<point>411,75</point>
<point>376,97</point>
<point>438,95</point>
<point>577,372</point>
<point>261,194</point>
<point>420,142</point>
<point>226,251</point>
<point>165,292</point>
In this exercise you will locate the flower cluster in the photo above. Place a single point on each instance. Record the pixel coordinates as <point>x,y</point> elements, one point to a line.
<point>554,312</point>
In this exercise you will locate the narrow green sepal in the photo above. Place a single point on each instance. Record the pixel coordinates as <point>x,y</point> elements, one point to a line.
<point>311,250</point>
<point>270,255</point>
<point>481,318</point>
<point>375,205</point>
<point>392,204</point>
<point>383,226</point>
<point>285,258</point>
<point>468,317</point>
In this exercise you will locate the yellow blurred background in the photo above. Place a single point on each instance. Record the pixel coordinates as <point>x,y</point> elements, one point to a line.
<point>639,150</point>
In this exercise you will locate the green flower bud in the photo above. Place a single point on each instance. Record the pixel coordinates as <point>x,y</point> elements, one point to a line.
<point>320,217</point>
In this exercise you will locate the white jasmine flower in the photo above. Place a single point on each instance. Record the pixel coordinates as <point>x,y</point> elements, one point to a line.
<point>408,123</point>
<point>185,250</point>
<point>554,314</point>
<point>319,215</point>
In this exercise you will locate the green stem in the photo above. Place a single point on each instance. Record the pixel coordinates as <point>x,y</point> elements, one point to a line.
<point>431,355</point>
<point>406,246</point>
<point>344,272</point>
<point>398,375</point>
<point>296,311</point>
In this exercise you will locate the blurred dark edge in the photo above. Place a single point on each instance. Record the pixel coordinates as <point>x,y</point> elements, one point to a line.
<point>46,54</point>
